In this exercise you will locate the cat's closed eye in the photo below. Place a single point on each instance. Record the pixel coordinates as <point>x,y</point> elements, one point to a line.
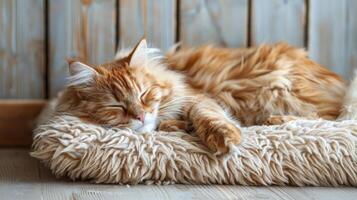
<point>118,106</point>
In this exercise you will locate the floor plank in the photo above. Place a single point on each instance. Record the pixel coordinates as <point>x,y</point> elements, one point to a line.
<point>19,175</point>
<point>325,193</point>
<point>22,177</point>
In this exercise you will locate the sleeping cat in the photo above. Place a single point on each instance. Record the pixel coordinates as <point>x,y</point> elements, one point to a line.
<point>213,90</point>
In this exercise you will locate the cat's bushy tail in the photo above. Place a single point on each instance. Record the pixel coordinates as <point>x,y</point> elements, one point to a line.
<point>349,109</point>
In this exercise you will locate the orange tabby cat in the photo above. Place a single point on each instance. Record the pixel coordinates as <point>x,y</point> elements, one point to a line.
<point>213,89</point>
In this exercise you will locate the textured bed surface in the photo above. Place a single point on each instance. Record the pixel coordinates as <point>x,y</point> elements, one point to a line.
<point>297,153</point>
<point>303,152</point>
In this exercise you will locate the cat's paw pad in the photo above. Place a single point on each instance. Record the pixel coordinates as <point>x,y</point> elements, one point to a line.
<point>223,137</point>
<point>278,119</point>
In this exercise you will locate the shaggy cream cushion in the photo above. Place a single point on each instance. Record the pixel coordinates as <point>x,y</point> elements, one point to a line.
<point>319,153</point>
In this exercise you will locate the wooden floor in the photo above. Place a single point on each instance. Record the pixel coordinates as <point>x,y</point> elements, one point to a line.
<point>22,177</point>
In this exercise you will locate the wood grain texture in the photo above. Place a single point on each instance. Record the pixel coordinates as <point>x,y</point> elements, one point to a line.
<point>19,175</point>
<point>278,20</point>
<point>223,22</point>
<point>314,193</point>
<point>153,19</point>
<point>333,33</point>
<point>22,49</point>
<point>82,29</point>
<point>351,65</point>
<point>17,120</point>
<point>22,177</point>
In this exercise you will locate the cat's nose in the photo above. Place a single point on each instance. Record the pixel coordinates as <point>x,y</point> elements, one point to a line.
<point>141,117</point>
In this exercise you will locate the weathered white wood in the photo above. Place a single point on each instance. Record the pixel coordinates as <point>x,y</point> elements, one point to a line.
<point>332,34</point>
<point>153,19</point>
<point>82,29</point>
<point>278,20</point>
<point>228,192</point>
<point>314,193</point>
<point>22,49</point>
<point>224,22</point>
<point>351,39</point>
<point>21,177</point>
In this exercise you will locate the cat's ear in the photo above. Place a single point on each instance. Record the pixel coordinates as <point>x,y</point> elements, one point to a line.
<point>138,57</point>
<point>80,73</point>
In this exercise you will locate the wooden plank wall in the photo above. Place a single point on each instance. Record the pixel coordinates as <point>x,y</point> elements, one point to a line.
<point>37,35</point>
<point>333,34</point>
<point>81,29</point>
<point>278,20</point>
<point>22,42</point>
<point>154,19</point>
<point>223,22</point>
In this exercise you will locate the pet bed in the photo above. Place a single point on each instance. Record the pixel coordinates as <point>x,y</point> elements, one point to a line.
<point>302,152</point>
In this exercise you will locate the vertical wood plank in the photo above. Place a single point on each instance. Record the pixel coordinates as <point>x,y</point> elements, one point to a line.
<point>22,49</point>
<point>79,28</point>
<point>278,20</point>
<point>224,22</point>
<point>332,34</point>
<point>351,64</point>
<point>154,19</point>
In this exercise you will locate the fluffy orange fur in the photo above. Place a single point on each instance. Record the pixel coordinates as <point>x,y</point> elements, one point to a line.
<point>211,90</point>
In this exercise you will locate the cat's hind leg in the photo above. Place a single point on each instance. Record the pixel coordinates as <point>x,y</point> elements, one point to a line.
<point>282,119</point>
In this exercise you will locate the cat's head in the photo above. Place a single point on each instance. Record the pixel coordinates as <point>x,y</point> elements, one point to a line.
<point>123,93</point>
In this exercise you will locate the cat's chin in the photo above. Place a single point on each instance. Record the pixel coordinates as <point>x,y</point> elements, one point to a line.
<point>147,128</point>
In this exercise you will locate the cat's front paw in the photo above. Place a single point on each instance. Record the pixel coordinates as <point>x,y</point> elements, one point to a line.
<point>173,125</point>
<point>222,137</point>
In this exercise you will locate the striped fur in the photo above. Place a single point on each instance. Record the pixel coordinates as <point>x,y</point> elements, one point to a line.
<point>212,90</point>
